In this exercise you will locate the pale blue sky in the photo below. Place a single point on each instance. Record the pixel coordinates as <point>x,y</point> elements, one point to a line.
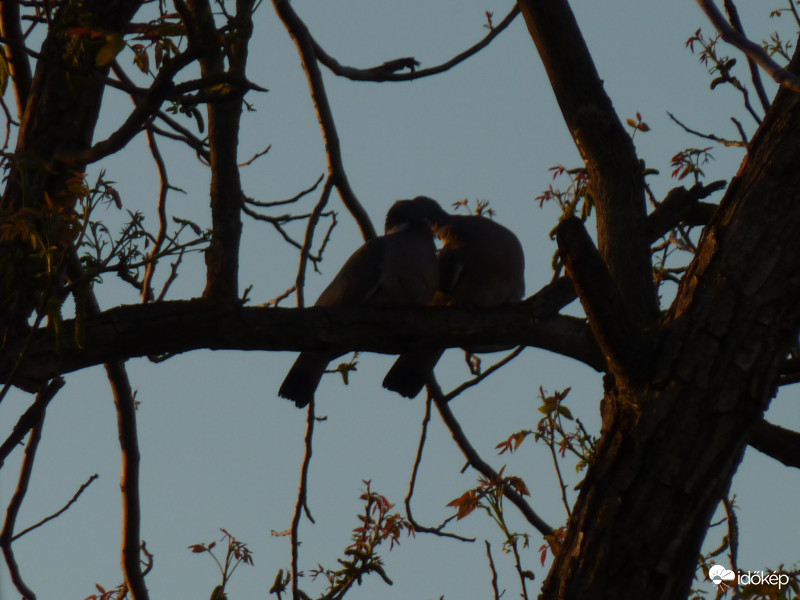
<point>220,449</point>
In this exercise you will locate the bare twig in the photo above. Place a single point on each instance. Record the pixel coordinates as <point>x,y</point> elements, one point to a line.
<point>173,275</point>
<point>305,251</point>
<point>388,71</point>
<point>751,49</point>
<point>59,512</point>
<point>494,571</point>
<point>255,157</point>
<point>291,200</point>
<point>476,380</point>
<point>707,136</point>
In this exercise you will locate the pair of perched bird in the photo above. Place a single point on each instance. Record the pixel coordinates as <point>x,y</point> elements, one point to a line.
<point>480,264</point>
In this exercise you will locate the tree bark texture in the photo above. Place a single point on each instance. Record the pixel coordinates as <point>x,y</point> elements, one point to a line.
<point>615,172</point>
<point>224,118</point>
<point>59,118</point>
<point>669,448</point>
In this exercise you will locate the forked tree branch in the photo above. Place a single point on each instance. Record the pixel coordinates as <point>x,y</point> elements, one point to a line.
<point>628,353</point>
<point>308,240</point>
<point>755,75</point>
<point>305,47</point>
<point>751,49</point>
<point>480,465</point>
<point>615,172</point>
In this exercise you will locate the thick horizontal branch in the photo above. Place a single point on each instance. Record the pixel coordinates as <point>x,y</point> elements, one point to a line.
<point>778,442</point>
<point>682,206</point>
<point>167,328</point>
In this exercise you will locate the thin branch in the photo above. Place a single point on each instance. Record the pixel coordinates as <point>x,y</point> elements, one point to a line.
<point>147,290</point>
<point>794,12</point>
<point>28,419</point>
<point>302,499</point>
<point>707,136</point>
<point>182,133</point>
<point>173,275</point>
<point>145,111</point>
<point>129,479</point>
<point>750,49</point>
<point>26,470</point>
<point>200,146</point>
<point>388,70</point>
<point>476,380</point>
<point>494,571</point>
<point>292,200</point>
<point>551,444</point>
<point>755,75</point>
<point>305,46</point>
<point>277,223</point>
<point>305,251</point>
<point>59,512</point>
<point>477,463</point>
<point>256,156</point>
<point>439,530</point>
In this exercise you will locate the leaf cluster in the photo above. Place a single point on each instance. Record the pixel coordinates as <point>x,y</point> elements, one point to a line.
<point>378,524</point>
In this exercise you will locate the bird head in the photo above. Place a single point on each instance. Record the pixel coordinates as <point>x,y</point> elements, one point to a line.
<point>421,210</point>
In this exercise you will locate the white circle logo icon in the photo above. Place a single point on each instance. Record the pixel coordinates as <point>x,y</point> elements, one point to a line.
<point>719,574</point>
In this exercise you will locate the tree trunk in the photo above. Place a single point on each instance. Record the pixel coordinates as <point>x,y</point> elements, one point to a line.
<point>63,104</point>
<point>669,449</point>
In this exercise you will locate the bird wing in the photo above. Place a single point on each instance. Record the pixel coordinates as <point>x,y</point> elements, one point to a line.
<point>359,278</point>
